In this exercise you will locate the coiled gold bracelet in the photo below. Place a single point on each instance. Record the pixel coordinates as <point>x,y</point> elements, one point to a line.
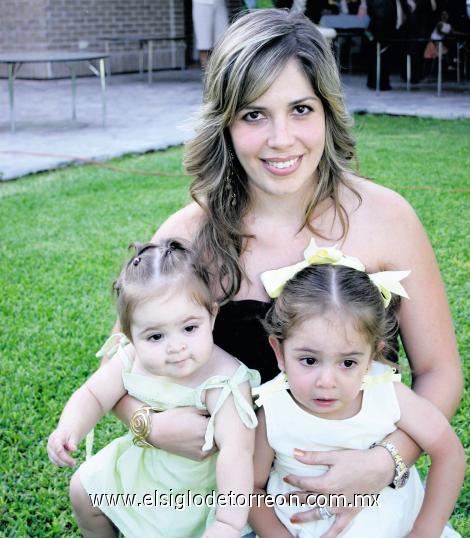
<point>141,426</point>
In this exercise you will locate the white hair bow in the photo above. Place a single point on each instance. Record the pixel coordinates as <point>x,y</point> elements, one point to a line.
<point>387,282</point>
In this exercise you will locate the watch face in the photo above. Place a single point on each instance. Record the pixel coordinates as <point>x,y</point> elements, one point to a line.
<point>402,479</point>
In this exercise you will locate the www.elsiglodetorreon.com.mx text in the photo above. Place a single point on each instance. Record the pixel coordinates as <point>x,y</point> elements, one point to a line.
<point>182,500</point>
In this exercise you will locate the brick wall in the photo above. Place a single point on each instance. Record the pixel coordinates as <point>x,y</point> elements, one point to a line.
<point>23,24</point>
<point>75,24</point>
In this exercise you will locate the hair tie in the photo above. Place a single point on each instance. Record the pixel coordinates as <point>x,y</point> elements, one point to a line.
<point>169,249</point>
<point>387,282</point>
<point>136,260</point>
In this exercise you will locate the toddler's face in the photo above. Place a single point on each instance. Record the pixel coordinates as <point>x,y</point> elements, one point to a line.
<point>325,359</point>
<point>172,334</point>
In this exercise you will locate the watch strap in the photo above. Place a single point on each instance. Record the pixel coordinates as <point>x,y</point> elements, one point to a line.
<point>400,466</point>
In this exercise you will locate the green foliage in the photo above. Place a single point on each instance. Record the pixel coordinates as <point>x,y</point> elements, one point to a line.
<point>63,238</point>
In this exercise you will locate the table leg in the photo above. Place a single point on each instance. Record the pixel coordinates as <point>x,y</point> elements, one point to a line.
<point>108,60</point>
<point>11,94</point>
<point>464,61</point>
<point>377,70</point>
<point>103,90</point>
<point>141,58</point>
<point>349,41</point>
<point>183,57</point>
<point>408,72</point>
<point>173,54</point>
<point>439,68</point>
<point>73,76</point>
<point>150,60</point>
<point>338,53</point>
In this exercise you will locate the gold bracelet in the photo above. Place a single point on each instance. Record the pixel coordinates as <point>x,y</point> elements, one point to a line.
<point>141,426</point>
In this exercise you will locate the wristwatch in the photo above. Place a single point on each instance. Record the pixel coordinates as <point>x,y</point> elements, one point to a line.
<point>402,473</point>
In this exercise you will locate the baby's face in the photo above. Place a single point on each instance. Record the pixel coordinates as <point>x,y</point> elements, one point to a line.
<point>325,359</point>
<point>172,334</point>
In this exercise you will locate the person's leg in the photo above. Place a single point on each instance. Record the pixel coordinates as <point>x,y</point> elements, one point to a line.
<point>203,22</point>
<point>92,522</point>
<point>220,19</point>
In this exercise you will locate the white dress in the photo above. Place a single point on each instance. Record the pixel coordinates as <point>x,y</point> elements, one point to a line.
<point>289,426</point>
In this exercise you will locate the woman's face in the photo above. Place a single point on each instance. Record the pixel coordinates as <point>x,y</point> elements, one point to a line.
<point>280,137</point>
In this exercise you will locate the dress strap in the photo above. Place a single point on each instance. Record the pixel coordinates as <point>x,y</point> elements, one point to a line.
<point>90,437</point>
<point>230,386</point>
<point>389,376</point>
<point>263,392</point>
<point>117,342</point>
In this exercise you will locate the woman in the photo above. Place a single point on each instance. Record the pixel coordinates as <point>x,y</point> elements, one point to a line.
<point>271,163</point>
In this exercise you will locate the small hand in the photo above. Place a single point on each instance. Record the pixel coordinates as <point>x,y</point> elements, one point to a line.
<point>218,529</point>
<point>181,431</point>
<point>60,443</point>
<point>342,517</point>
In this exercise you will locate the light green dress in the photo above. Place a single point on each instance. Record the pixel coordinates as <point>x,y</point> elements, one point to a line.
<point>129,474</point>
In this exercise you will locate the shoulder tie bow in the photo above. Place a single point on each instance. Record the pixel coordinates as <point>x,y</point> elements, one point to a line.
<point>244,409</point>
<point>263,393</point>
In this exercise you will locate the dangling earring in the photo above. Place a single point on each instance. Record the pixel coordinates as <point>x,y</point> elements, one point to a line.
<point>229,179</point>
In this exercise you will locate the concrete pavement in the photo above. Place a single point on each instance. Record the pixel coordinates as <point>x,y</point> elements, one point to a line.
<point>142,118</point>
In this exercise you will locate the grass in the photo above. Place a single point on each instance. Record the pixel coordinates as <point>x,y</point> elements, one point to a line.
<point>63,237</point>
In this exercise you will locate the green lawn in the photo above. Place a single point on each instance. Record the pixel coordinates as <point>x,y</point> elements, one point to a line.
<point>63,237</point>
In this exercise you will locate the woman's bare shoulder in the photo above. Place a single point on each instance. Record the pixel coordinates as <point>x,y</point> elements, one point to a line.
<point>184,224</point>
<point>388,222</point>
<point>380,200</point>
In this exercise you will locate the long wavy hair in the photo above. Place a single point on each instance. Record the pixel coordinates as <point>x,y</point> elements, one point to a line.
<point>243,65</point>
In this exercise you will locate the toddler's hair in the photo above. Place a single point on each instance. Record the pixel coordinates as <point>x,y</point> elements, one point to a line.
<point>152,270</point>
<point>318,289</point>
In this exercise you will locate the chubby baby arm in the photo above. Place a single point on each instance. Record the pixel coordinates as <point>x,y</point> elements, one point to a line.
<point>431,430</point>
<point>234,463</point>
<point>83,410</point>
<point>262,518</point>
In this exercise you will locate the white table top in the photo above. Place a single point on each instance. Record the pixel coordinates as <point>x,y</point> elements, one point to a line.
<point>50,56</point>
<point>344,21</point>
<point>140,37</point>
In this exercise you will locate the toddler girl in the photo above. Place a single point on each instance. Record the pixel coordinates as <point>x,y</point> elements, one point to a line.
<point>328,329</point>
<point>167,312</point>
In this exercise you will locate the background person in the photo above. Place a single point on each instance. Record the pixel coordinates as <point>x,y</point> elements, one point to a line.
<point>210,20</point>
<point>382,27</point>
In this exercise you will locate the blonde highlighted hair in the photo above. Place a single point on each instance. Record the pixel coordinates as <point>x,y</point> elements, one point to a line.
<point>243,65</point>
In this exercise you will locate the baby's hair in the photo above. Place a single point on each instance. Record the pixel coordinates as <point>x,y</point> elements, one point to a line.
<point>152,269</point>
<point>318,289</point>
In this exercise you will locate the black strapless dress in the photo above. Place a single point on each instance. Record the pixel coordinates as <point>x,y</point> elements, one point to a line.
<point>238,331</point>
